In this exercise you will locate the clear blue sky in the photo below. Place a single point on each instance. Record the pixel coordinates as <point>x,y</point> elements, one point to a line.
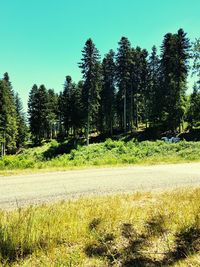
<point>41,40</point>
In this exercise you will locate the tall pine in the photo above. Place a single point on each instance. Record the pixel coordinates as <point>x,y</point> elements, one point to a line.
<point>174,68</point>
<point>22,129</point>
<point>123,61</point>
<point>8,117</point>
<point>108,102</point>
<point>91,70</point>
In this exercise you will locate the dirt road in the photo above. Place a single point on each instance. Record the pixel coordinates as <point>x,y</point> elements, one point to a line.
<point>36,188</point>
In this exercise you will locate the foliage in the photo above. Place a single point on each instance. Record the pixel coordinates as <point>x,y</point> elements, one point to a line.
<point>71,154</point>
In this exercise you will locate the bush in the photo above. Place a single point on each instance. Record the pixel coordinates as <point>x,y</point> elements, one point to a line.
<point>110,152</point>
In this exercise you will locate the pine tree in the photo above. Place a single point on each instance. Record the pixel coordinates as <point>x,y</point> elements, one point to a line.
<point>108,93</point>
<point>91,70</point>
<point>33,113</point>
<point>60,114</point>
<point>77,108</point>
<point>38,113</point>
<point>138,92</point>
<point>196,60</point>
<point>123,62</point>
<point>3,116</point>
<point>144,92</point>
<point>193,113</point>
<point>174,67</point>
<point>155,107</point>
<point>22,128</point>
<point>66,104</point>
<point>8,117</point>
<point>52,111</point>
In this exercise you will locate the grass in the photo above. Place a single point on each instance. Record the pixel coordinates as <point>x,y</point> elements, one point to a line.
<point>141,229</point>
<point>55,156</point>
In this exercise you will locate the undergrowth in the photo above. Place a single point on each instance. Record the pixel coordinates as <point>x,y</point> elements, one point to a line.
<point>65,156</point>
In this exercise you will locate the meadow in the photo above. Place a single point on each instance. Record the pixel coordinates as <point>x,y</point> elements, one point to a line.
<point>140,229</point>
<point>63,156</point>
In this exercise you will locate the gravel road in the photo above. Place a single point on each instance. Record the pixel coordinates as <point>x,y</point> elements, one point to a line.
<point>21,190</point>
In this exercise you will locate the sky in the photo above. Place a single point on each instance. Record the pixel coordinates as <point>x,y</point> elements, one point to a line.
<point>41,40</point>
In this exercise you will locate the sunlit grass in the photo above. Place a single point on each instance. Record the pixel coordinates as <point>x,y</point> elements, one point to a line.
<point>141,229</point>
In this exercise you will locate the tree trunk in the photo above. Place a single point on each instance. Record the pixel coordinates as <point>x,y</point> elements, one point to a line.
<point>111,127</point>
<point>125,110</point>
<point>136,112</point>
<point>88,129</point>
<point>131,108</point>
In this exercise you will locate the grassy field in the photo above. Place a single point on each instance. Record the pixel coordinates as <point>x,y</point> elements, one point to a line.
<point>57,156</point>
<point>140,229</point>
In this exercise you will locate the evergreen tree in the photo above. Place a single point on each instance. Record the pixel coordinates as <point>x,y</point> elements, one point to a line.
<point>70,108</point>
<point>144,92</point>
<point>138,92</point>
<point>123,63</point>
<point>91,70</point>
<point>196,60</point>
<point>174,67</point>
<point>33,112</point>
<point>66,104</point>
<point>38,113</point>
<point>193,113</point>
<point>52,111</point>
<point>155,107</point>
<point>60,114</point>
<point>76,108</point>
<point>108,93</point>
<point>22,128</point>
<point>8,117</point>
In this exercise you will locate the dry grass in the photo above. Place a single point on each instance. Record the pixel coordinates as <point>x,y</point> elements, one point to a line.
<point>141,229</point>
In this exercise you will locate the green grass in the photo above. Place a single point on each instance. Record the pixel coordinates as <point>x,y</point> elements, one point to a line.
<point>141,229</point>
<point>51,156</point>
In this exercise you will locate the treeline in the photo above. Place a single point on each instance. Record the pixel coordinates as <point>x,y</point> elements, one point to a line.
<point>128,89</point>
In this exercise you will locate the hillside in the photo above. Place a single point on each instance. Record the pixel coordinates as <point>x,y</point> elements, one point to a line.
<point>68,155</point>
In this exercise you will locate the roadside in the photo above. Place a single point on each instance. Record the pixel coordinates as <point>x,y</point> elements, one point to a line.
<point>137,229</point>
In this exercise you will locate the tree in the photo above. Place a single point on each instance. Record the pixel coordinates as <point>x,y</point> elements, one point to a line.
<point>66,104</point>
<point>138,93</point>
<point>38,113</point>
<point>144,92</point>
<point>193,113</point>
<point>22,129</point>
<point>123,62</point>
<point>91,70</point>
<point>174,67</point>
<point>155,107</point>
<point>77,107</point>
<point>52,111</point>
<point>196,59</point>
<point>33,112</point>
<point>108,92</point>
<point>8,117</point>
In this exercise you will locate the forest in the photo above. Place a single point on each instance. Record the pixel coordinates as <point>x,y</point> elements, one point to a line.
<point>127,91</point>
